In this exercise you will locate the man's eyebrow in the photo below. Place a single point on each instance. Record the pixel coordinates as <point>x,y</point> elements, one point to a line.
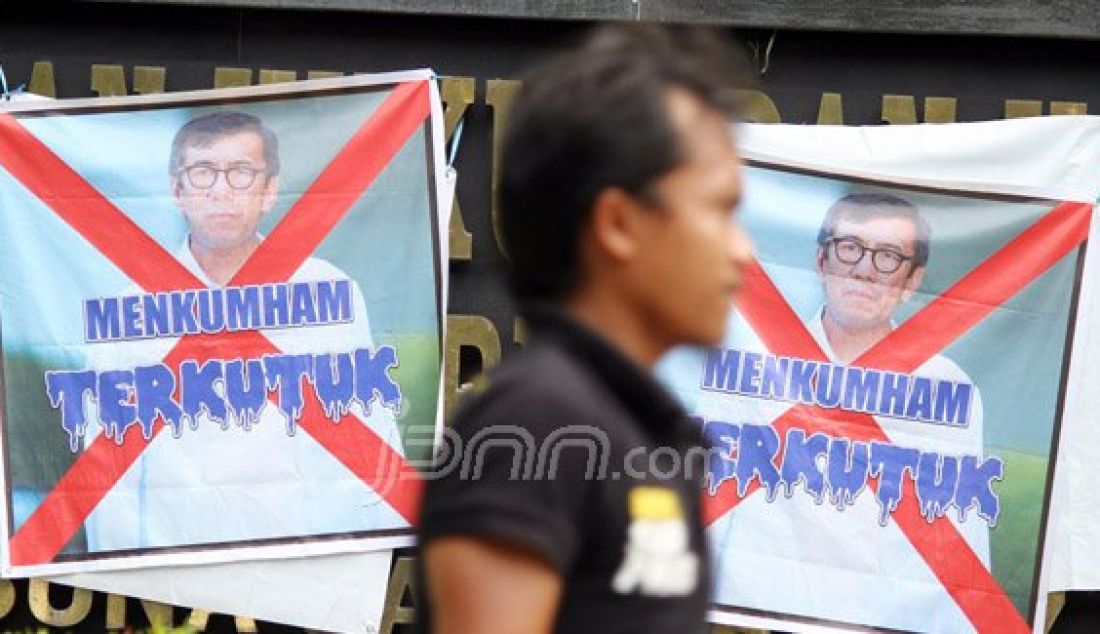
<point>890,246</point>
<point>873,245</point>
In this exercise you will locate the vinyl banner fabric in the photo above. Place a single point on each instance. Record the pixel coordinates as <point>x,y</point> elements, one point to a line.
<point>885,409</point>
<point>220,315</point>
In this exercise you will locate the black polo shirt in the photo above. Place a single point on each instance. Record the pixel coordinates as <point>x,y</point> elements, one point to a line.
<point>576,453</point>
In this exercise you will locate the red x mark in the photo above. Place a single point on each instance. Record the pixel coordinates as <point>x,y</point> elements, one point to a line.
<point>946,318</point>
<point>110,231</point>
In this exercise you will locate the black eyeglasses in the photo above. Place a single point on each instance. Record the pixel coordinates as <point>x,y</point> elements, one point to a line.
<point>851,251</point>
<point>203,176</point>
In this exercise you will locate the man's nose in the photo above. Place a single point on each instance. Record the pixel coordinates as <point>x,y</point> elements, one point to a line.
<point>741,248</point>
<point>221,185</point>
<point>865,268</point>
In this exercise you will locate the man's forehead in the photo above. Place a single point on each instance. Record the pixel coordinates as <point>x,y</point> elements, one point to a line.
<point>883,229</point>
<point>243,144</point>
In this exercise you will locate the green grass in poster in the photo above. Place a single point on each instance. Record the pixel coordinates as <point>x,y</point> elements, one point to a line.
<point>418,375</point>
<point>1014,542</point>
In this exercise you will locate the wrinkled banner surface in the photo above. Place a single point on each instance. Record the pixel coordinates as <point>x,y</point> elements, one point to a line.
<point>221,312</point>
<point>886,406</point>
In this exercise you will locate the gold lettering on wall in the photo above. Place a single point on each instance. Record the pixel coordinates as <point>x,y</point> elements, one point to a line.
<point>1016,108</point>
<point>759,108</point>
<point>269,76</point>
<point>7,597</point>
<point>457,94</point>
<point>499,95</point>
<point>899,109</point>
<point>42,82</point>
<point>227,77</point>
<point>198,619</point>
<point>323,74</point>
<point>159,614</point>
<point>149,80</point>
<point>1055,602</point>
<point>940,109</point>
<point>467,331</point>
<point>831,109</point>
<point>1068,107</point>
<point>39,599</point>
<point>116,611</point>
<point>108,80</point>
<point>402,583</point>
<point>519,331</point>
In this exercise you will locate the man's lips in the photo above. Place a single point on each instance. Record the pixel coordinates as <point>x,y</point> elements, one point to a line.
<point>223,216</point>
<point>858,292</point>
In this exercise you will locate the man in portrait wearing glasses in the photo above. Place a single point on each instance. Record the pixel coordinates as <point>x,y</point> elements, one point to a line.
<point>800,552</point>
<point>223,480</point>
<point>872,250</point>
<point>224,176</point>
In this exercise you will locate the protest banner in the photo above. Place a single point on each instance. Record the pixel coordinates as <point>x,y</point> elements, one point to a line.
<point>221,317</point>
<point>885,409</point>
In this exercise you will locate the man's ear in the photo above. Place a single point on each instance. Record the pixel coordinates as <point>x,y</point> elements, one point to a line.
<point>912,283</point>
<point>174,186</point>
<point>615,224</point>
<point>271,192</point>
<point>819,262</point>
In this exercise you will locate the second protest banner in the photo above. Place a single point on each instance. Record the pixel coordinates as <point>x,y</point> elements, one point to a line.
<point>885,406</point>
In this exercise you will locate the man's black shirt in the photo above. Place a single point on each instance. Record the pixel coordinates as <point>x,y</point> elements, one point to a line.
<point>576,453</point>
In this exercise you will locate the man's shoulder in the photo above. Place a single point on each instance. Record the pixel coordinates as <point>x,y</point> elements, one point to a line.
<point>943,367</point>
<point>314,269</point>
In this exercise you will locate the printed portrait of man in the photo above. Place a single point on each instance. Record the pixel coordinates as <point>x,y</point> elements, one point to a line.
<point>236,479</point>
<point>872,251</point>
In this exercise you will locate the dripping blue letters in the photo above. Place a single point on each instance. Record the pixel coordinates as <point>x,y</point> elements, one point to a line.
<point>837,469</point>
<point>228,390</point>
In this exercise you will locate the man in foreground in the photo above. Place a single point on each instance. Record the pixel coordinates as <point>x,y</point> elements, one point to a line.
<point>619,185</point>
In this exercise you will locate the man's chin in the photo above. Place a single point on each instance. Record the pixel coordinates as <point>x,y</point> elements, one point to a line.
<point>230,242</point>
<point>709,337</point>
<point>860,323</point>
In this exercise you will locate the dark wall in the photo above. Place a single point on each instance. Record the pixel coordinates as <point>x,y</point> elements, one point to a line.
<point>872,78</point>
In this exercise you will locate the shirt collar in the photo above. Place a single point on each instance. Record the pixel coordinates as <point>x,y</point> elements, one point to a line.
<point>816,328</point>
<point>633,385</point>
<point>187,259</point>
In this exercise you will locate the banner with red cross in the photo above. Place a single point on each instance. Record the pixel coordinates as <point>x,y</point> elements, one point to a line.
<point>221,317</point>
<point>884,411</point>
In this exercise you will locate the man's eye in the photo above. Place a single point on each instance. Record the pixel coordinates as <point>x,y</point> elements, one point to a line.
<point>848,246</point>
<point>892,256</point>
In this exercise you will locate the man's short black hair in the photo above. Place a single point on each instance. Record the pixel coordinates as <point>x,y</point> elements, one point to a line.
<point>862,206</point>
<point>594,118</point>
<point>208,128</point>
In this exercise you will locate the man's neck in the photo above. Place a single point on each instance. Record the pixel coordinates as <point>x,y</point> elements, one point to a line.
<point>848,345</point>
<point>624,327</point>
<point>220,265</point>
